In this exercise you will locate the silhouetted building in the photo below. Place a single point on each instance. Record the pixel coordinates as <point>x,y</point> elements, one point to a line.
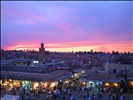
<point>41,52</point>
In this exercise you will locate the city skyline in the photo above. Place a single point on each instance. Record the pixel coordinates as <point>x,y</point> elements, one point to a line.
<point>67,25</point>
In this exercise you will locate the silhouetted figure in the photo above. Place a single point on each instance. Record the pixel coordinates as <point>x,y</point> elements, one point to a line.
<point>117,97</point>
<point>22,96</point>
<point>27,97</point>
<point>123,97</point>
<point>55,96</point>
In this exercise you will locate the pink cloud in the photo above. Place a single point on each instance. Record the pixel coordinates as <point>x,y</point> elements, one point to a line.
<point>20,16</point>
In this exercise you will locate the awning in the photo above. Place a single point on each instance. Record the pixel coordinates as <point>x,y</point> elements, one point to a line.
<point>78,70</point>
<point>130,78</point>
<point>95,80</point>
<point>88,80</point>
<point>113,80</point>
<point>63,77</point>
<point>84,75</point>
<point>3,77</point>
<point>12,77</point>
<point>34,79</point>
<point>83,80</point>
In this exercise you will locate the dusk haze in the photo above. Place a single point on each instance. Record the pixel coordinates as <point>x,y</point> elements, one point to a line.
<point>67,25</point>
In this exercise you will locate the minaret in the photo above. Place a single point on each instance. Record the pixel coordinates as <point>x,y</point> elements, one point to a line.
<point>41,52</point>
<point>42,45</point>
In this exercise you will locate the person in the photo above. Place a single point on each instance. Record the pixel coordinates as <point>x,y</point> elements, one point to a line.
<point>101,89</point>
<point>4,90</point>
<point>34,98</point>
<point>27,97</point>
<point>93,97</point>
<point>89,98</point>
<point>82,89</point>
<point>22,96</point>
<point>113,97</point>
<point>36,91</point>
<point>88,92</point>
<point>57,92</point>
<point>68,91</point>
<point>49,96</point>
<point>100,94</point>
<point>63,97</point>
<point>80,93</point>
<point>104,89</point>
<point>117,96</point>
<point>20,89</point>
<point>121,90</point>
<point>71,97</point>
<point>108,97</point>
<point>43,90</point>
<point>64,91</point>
<point>123,97</point>
<point>14,91</point>
<point>110,92</point>
<point>84,94</point>
<point>28,91</point>
<point>54,96</point>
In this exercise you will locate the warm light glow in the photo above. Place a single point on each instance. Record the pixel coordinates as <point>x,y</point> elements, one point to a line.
<point>16,83</point>
<point>116,84</point>
<point>82,71</point>
<point>76,75</point>
<point>6,83</point>
<point>36,84</point>
<point>66,81</point>
<point>53,84</point>
<point>0,81</point>
<point>10,87</point>
<point>84,83</point>
<point>68,47</point>
<point>46,84</point>
<point>131,82</point>
<point>107,84</point>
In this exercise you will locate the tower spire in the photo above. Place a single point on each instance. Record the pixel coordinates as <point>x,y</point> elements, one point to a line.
<point>42,45</point>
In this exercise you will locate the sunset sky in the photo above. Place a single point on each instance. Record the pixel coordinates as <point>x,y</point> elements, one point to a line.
<point>67,25</point>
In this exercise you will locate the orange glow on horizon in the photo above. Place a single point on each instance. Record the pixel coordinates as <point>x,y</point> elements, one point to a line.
<point>70,48</point>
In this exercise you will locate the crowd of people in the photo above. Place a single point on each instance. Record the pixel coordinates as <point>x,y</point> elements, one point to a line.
<point>67,92</point>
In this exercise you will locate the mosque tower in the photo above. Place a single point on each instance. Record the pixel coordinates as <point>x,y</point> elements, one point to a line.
<point>41,52</point>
